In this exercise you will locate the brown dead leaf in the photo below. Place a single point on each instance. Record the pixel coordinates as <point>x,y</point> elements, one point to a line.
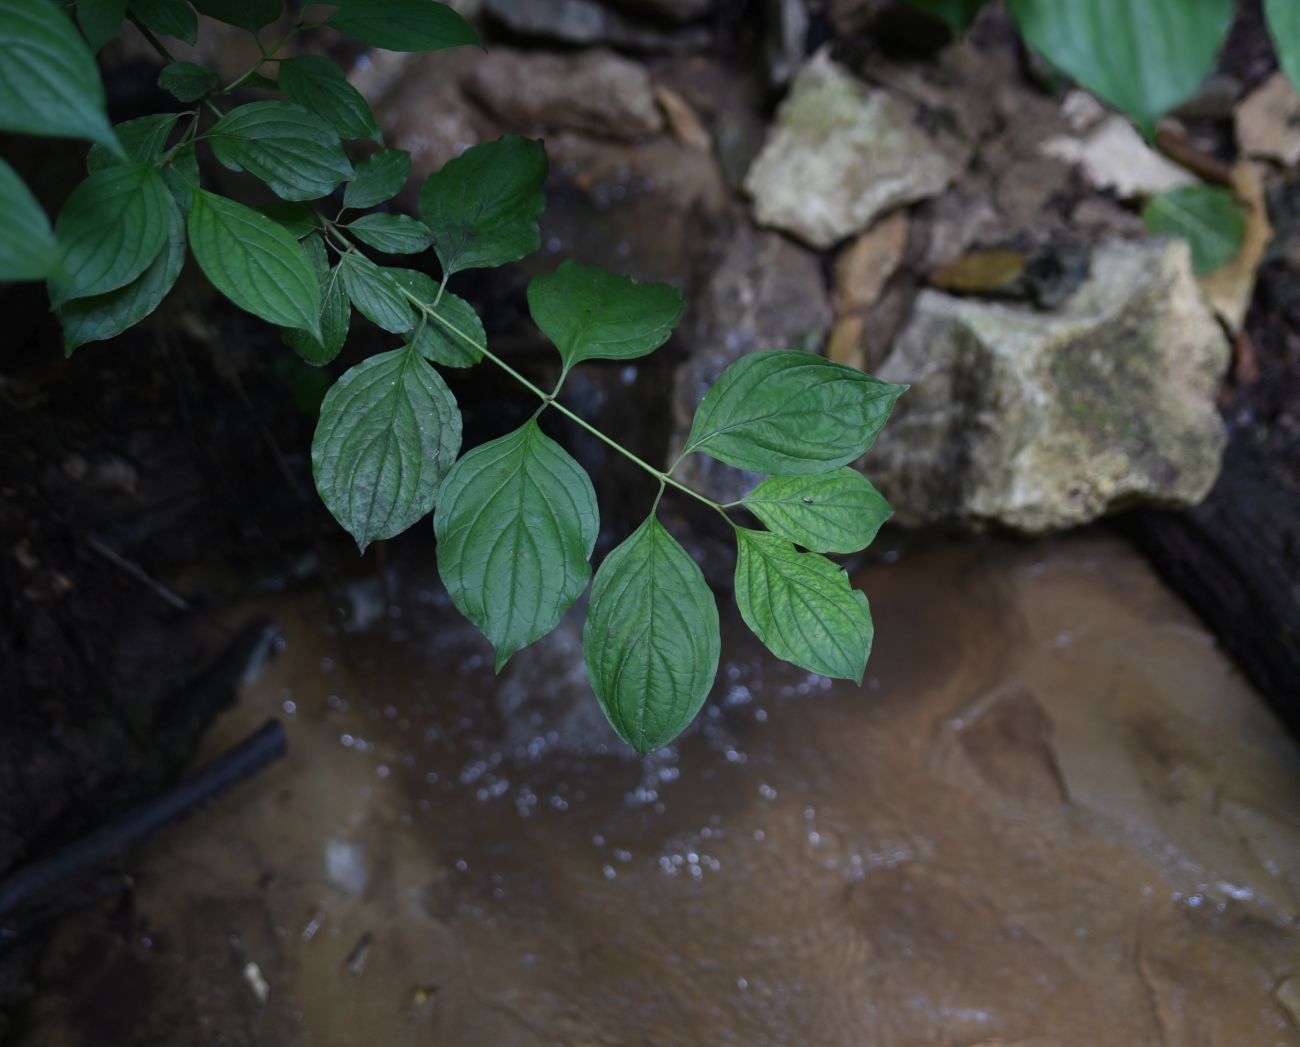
<point>683,121</point>
<point>1230,288</point>
<point>845,345</point>
<point>865,266</point>
<point>980,272</point>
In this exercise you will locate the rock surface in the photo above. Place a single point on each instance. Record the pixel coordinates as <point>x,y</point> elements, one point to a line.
<point>1041,422</point>
<point>585,22</point>
<point>840,154</point>
<point>1114,156</point>
<point>597,92</point>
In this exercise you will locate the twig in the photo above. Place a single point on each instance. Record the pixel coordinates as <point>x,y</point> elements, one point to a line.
<point>136,572</point>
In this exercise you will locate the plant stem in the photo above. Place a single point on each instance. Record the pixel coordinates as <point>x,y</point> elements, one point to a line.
<point>152,40</point>
<point>548,400</point>
<point>267,56</point>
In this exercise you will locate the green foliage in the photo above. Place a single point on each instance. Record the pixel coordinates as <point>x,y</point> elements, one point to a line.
<point>388,432</point>
<point>835,512</point>
<point>791,414</point>
<point>483,206</point>
<point>516,525</point>
<point>1284,28</point>
<point>516,519</point>
<point>167,18</point>
<point>589,314</point>
<point>1207,217</point>
<point>802,606</point>
<point>28,251</point>
<point>1141,56</point>
<point>48,81</point>
<point>652,640</point>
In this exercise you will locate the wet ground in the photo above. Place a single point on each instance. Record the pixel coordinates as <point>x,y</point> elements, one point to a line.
<point>1053,815</point>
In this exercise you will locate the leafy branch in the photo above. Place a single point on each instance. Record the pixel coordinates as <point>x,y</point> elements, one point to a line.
<point>516,519</point>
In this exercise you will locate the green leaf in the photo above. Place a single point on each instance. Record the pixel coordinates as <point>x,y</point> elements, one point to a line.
<point>100,20</point>
<point>1207,217</point>
<point>49,84</point>
<point>376,293</point>
<point>293,151</point>
<point>142,141</point>
<point>483,206</point>
<point>168,18</point>
<point>802,606</point>
<point>379,177</point>
<point>388,432</point>
<point>516,525</point>
<point>437,339</point>
<point>652,640</point>
<point>1141,56</point>
<point>318,85</point>
<point>957,13</point>
<point>297,217</point>
<point>1284,28</point>
<point>790,413</point>
<point>835,512</point>
<point>335,311</point>
<point>592,314</point>
<point>446,337</point>
<point>188,81</point>
<point>254,262</point>
<point>393,233</point>
<point>110,230</point>
<point>403,25</point>
<point>246,14</point>
<point>28,250</point>
<point>105,316</point>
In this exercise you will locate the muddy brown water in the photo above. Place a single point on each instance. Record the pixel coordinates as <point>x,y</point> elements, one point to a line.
<point>1053,815</point>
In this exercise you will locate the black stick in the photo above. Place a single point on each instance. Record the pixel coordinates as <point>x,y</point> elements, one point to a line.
<point>246,759</point>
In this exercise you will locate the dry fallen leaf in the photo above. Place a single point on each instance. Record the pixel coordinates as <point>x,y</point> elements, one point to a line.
<point>1230,288</point>
<point>864,267</point>
<point>980,272</point>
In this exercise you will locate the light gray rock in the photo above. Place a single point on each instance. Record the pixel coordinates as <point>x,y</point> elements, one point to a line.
<point>765,293</point>
<point>1040,422</point>
<point>666,10</point>
<point>596,92</point>
<point>841,153</point>
<point>585,22</point>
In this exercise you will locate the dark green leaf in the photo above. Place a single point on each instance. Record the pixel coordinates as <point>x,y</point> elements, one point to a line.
<point>143,141</point>
<point>293,151</point>
<point>835,512</point>
<point>168,18</point>
<point>452,334</point>
<point>388,432</point>
<point>652,640</point>
<point>187,81</point>
<point>1284,28</point>
<point>393,233</point>
<point>318,85</point>
<point>28,250</point>
<point>110,230</point>
<point>592,314</point>
<point>957,13</point>
<point>100,20</point>
<point>483,206</point>
<point>516,525</point>
<point>791,414</point>
<point>376,293</point>
<point>299,218</point>
<point>1207,217</point>
<point>182,177</point>
<point>246,14</point>
<point>379,177</point>
<point>254,262</point>
<point>802,606</point>
<point>1141,56</point>
<point>335,311</point>
<point>403,25</point>
<point>105,316</point>
<point>49,84</point>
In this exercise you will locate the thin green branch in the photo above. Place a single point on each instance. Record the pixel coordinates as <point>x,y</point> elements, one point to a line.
<point>150,39</point>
